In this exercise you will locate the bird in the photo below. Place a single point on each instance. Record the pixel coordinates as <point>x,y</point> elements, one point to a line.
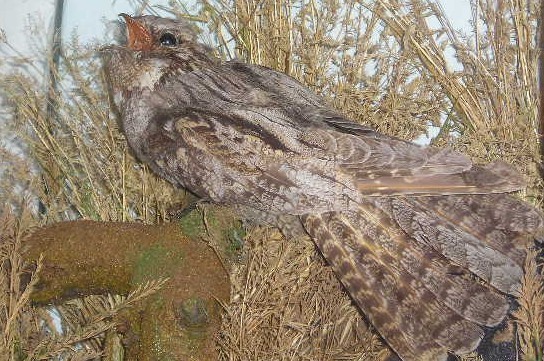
<point>429,245</point>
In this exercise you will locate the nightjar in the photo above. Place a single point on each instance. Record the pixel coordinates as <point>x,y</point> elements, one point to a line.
<point>427,244</point>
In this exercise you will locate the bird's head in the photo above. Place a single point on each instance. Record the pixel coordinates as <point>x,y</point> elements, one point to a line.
<point>155,49</point>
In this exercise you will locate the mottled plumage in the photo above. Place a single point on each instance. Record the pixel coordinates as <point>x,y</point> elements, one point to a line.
<point>410,231</point>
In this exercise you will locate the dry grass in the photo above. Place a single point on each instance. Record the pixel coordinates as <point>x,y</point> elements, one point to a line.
<point>530,315</point>
<point>379,62</point>
<point>287,305</point>
<point>17,318</point>
<point>86,323</point>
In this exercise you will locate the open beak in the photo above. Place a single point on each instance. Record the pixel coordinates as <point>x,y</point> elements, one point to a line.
<point>138,36</point>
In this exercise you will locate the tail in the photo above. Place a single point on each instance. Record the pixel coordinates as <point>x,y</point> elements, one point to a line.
<point>409,264</point>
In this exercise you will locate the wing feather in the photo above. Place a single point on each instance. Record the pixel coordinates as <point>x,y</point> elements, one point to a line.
<point>458,244</point>
<point>415,284</point>
<point>502,221</point>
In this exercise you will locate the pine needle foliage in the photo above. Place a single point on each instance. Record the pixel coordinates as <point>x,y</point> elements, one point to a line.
<point>85,322</point>
<point>17,317</point>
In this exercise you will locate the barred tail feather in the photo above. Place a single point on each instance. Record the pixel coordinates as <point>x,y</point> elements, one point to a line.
<point>416,323</point>
<point>392,256</point>
<point>450,283</point>
<point>359,275</point>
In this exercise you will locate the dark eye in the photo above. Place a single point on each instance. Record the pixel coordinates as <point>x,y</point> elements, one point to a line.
<point>168,39</point>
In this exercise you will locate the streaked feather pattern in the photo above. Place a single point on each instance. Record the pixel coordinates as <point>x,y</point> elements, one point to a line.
<point>426,243</point>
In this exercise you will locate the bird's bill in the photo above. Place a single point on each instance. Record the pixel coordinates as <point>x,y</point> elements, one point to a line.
<point>138,37</point>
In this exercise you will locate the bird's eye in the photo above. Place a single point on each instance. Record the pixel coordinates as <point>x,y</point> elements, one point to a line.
<point>168,39</point>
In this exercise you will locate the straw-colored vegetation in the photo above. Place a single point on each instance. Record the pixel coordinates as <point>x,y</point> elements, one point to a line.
<point>381,62</point>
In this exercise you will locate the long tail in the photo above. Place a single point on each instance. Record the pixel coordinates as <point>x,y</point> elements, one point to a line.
<point>409,264</point>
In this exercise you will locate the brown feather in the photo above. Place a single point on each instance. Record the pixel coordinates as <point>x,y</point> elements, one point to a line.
<point>422,239</point>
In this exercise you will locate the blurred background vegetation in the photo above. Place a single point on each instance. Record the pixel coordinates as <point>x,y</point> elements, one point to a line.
<point>397,65</point>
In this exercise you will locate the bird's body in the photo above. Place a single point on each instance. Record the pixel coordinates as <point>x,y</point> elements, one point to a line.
<point>405,227</point>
